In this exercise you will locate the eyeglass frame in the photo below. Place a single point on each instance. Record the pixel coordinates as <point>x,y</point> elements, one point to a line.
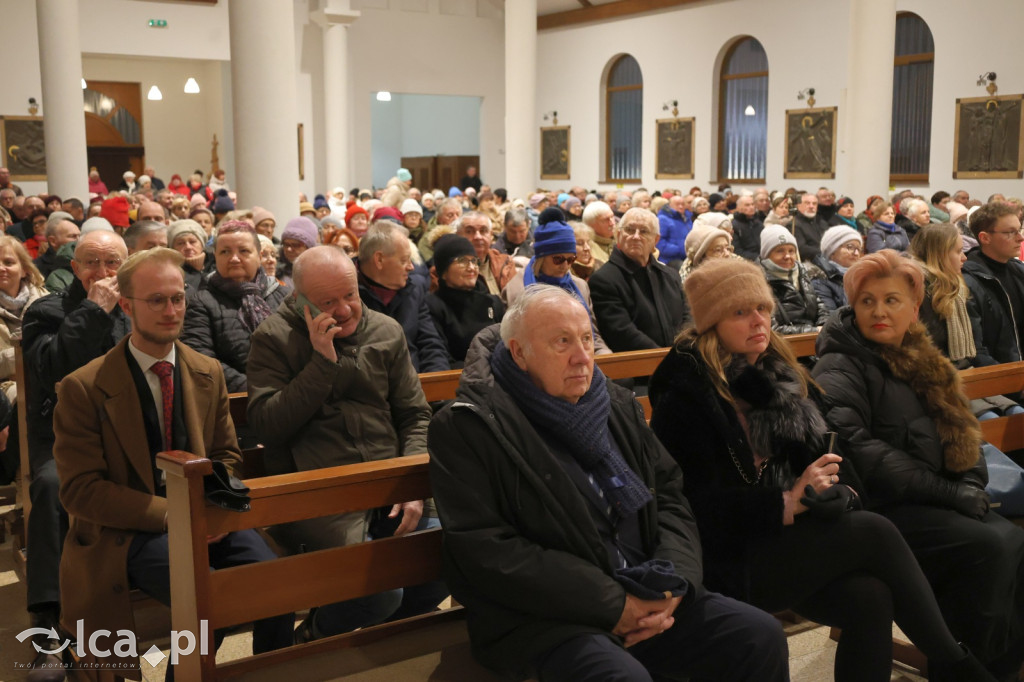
<point>94,263</point>
<point>158,302</point>
<point>559,259</point>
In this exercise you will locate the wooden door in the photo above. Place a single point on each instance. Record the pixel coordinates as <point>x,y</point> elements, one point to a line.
<point>113,129</point>
<point>438,172</point>
<point>422,169</point>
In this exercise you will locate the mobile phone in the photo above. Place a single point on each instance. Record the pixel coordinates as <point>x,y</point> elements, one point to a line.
<point>301,300</point>
<point>831,436</point>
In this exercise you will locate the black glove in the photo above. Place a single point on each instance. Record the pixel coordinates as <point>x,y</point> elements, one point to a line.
<point>970,500</point>
<point>829,503</point>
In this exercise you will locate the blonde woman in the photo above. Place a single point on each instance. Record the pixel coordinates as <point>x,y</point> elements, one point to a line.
<point>777,507</point>
<point>20,284</point>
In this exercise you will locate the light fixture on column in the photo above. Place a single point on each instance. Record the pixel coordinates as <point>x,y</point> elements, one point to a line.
<point>988,79</point>
<point>84,86</point>
<point>191,87</point>
<point>749,111</point>
<point>383,96</point>
<point>553,115</point>
<point>154,94</point>
<point>674,103</point>
<point>808,94</point>
<point>33,106</point>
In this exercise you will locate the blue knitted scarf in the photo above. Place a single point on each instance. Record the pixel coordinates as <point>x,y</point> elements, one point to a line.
<point>581,428</point>
<point>564,282</point>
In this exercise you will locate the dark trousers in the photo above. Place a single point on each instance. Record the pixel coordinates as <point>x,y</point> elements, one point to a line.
<point>47,526</point>
<point>976,568</point>
<point>713,638</point>
<point>149,571</point>
<point>855,573</point>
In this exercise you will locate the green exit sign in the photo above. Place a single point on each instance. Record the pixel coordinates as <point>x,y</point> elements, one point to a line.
<point>158,23</point>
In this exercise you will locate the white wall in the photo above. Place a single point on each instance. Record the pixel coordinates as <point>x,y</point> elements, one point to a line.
<point>448,48</point>
<point>421,125</point>
<point>679,52</point>
<point>178,130</point>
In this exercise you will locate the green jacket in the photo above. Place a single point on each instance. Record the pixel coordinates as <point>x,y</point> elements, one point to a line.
<point>313,413</point>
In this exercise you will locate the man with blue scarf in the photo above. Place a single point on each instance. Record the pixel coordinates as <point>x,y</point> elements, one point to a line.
<point>567,535</point>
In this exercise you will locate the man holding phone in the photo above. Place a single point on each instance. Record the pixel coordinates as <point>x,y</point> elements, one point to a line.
<point>331,383</point>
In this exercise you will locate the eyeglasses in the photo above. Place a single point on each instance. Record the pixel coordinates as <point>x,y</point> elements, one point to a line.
<point>93,263</point>
<point>636,229</point>
<point>158,302</point>
<point>851,248</point>
<point>722,250</point>
<point>562,260</point>
<point>465,261</point>
<point>1007,233</point>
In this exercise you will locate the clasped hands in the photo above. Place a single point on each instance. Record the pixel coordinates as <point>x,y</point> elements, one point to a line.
<point>644,618</point>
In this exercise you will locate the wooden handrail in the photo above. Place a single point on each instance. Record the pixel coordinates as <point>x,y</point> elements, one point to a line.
<point>1003,379</point>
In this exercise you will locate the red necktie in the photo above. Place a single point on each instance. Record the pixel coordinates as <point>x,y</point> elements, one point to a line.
<point>165,371</point>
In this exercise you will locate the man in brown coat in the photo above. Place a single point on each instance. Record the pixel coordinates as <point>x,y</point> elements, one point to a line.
<point>149,394</point>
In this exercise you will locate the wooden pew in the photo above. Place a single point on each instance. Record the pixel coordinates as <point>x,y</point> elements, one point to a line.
<point>225,597</point>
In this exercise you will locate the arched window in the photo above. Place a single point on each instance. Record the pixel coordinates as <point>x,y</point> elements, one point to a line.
<point>743,113</point>
<point>913,73</point>
<point>624,93</point>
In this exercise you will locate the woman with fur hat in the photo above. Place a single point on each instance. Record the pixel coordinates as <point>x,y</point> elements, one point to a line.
<point>777,508</point>
<point>188,238</point>
<point>458,307</point>
<point>705,241</point>
<point>797,307</point>
<point>899,408</point>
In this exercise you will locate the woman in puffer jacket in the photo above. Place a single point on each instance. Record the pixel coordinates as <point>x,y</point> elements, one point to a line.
<point>798,310</point>
<point>899,408</point>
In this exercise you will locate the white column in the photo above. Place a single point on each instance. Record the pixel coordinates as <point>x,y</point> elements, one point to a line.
<point>334,20</point>
<point>868,115</point>
<point>60,67</point>
<point>522,135</point>
<point>265,115</point>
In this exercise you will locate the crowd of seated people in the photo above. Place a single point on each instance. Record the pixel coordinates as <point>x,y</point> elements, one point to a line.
<point>326,316</point>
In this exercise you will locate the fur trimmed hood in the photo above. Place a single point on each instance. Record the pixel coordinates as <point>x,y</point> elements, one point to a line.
<point>934,379</point>
<point>929,374</point>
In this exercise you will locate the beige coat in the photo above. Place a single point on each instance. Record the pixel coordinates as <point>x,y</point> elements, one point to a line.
<point>106,475</point>
<point>10,328</point>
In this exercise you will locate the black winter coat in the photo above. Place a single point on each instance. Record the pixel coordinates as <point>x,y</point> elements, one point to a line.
<point>521,550</point>
<point>630,318</point>
<point>459,315</point>
<point>937,329</point>
<point>747,236</point>
<point>808,232</point>
<point>827,282</point>
<point>703,433</point>
<point>427,348</point>
<point>990,306</point>
<point>885,426</point>
<point>797,311</point>
<point>212,328</point>
<point>60,333</point>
